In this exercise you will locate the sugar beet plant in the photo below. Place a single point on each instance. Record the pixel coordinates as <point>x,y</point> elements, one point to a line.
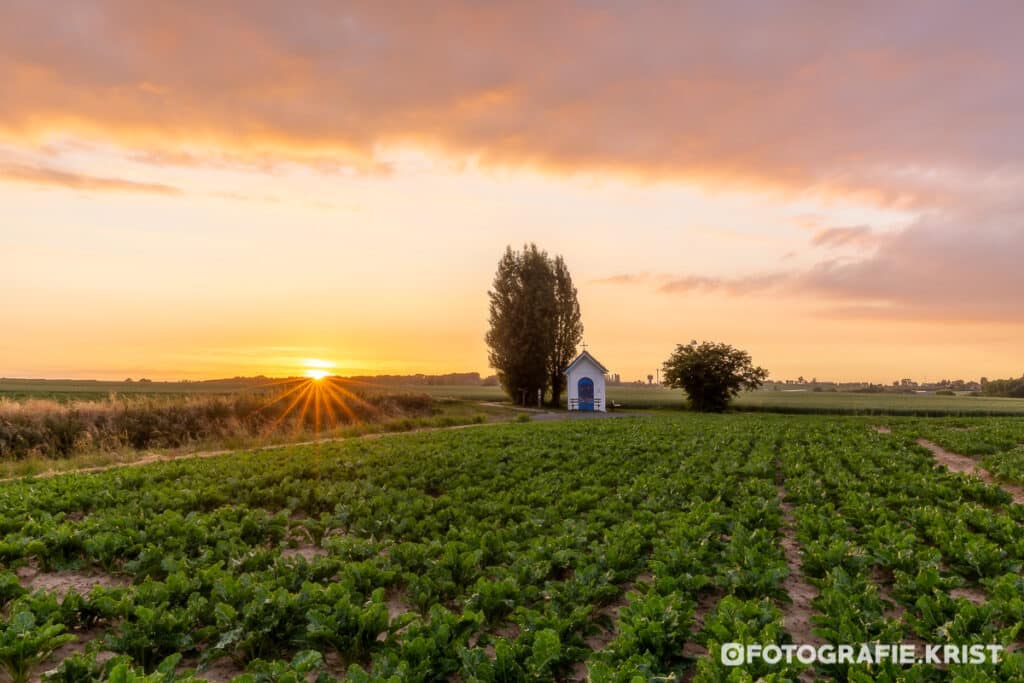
<point>24,644</point>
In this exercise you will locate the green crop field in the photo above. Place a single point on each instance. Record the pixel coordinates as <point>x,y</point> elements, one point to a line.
<point>624,549</point>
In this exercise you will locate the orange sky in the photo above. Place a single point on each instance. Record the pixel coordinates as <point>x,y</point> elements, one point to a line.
<point>201,191</point>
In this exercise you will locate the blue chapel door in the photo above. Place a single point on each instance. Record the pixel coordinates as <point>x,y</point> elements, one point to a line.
<point>586,393</point>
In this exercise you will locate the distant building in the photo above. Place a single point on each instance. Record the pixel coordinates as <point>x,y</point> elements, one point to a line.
<point>585,382</point>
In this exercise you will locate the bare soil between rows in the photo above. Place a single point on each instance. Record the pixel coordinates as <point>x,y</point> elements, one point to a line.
<point>796,616</point>
<point>63,582</point>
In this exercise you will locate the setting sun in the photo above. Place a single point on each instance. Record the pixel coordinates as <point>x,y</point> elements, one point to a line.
<point>317,368</point>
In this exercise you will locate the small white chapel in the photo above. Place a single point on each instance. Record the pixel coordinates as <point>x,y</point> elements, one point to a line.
<point>585,383</point>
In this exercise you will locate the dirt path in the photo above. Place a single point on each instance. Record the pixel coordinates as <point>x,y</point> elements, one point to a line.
<point>955,462</point>
<point>796,616</point>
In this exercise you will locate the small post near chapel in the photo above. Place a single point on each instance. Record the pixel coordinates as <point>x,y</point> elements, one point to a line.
<point>585,383</point>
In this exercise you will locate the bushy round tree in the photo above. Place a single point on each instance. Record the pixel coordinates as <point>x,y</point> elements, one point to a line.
<point>711,374</point>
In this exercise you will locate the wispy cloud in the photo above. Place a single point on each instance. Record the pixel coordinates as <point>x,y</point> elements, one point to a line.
<point>736,286</point>
<point>960,265</point>
<point>681,284</point>
<point>54,177</point>
<point>926,272</point>
<point>858,235</point>
<point>624,279</point>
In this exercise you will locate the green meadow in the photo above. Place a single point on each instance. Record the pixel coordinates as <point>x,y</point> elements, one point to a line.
<point>630,397</point>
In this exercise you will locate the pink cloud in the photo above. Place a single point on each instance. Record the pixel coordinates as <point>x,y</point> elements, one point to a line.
<point>896,103</point>
<point>859,235</point>
<point>796,95</point>
<point>54,177</point>
<point>958,265</point>
<point>953,266</point>
<point>736,286</point>
<point>624,279</point>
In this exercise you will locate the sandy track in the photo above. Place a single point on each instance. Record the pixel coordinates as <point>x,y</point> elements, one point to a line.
<point>796,616</point>
<point>954,462</point>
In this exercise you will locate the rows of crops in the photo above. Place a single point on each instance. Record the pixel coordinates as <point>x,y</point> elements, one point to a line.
<point>901,553</point>
<point>616,549</point>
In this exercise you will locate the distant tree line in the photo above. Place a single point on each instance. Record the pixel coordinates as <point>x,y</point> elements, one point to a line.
<point>1013,388</point>
<point>462,379</point>
<point>901,386</point>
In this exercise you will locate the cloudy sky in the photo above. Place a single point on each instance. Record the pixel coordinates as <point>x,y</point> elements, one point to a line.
<point>200,189</point>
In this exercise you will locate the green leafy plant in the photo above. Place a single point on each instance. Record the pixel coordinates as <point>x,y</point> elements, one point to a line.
<point>351,628</point>
<point>651,625</point>
<point>10,588</point>
<point>24,644</point>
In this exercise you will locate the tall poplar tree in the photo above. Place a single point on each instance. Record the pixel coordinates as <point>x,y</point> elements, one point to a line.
<point>534,323</point>
<point>568,328</point>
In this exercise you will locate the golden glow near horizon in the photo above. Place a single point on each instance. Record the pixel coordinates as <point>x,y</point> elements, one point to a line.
<point>320,403</point>
<point>162,192</point>
<point>317,369</point>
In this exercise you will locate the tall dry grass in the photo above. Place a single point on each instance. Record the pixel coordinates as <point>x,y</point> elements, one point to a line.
<point>43,428</point>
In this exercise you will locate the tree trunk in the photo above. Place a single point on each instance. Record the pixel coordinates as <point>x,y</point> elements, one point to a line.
<point>556,389</point>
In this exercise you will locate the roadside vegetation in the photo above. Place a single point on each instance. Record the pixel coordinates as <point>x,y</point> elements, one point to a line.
<point>45,429</point>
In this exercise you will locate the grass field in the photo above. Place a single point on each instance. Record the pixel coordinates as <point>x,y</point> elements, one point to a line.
<point>632,397</point>
<point>91,389</point>
<point>656,397</point>
<point>614,549</point>
<point>878,404</point>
